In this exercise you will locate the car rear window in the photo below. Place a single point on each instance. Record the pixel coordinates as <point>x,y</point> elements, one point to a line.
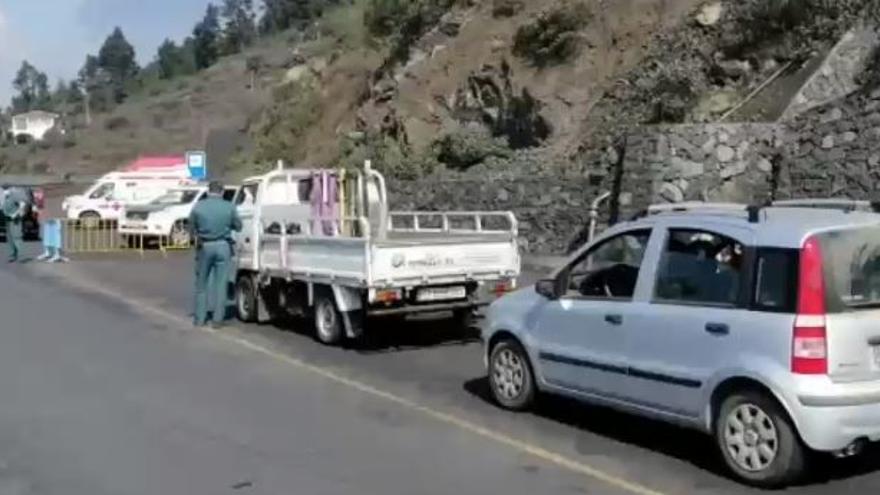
<point>776,280</point>
<point>852,267</point>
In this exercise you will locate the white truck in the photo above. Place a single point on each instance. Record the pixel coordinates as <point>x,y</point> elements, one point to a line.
<point>363,261</point>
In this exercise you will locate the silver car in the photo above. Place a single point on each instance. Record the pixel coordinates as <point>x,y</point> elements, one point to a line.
<point>760,327</point>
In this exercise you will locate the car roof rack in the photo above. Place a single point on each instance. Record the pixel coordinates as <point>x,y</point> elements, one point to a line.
<point>830,203</point>
<point>753,211</point>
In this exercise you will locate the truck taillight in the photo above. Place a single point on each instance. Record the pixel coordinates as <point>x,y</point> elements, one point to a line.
<point>504,286</point>
<point>810,338</point>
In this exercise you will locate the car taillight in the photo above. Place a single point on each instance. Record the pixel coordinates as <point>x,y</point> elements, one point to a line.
<point>810,341</point>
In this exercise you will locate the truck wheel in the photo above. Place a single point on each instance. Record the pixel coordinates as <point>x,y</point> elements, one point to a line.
<point>757,440</point>
<point>510,376</point>
<point>328,321</point>
<point>246,299</point>
<point>464,319</point>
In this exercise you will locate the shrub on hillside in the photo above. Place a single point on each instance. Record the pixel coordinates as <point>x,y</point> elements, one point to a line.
<point>403,22</point>
<point>464,148</point>
<point>555,36</point>
<point>507,8</point>
<point>282,128</point>
<point>791,27</point>
<point>116,123</point>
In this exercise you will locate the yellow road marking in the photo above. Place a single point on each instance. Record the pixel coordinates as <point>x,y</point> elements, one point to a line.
<point>533,450</point>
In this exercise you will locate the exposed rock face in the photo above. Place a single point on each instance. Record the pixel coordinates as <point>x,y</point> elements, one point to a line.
<point>490,98</point>
<point>838,75</point>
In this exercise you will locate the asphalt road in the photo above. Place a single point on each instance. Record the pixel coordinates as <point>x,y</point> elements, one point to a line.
<point>100,399</point>
<point>407,412</point>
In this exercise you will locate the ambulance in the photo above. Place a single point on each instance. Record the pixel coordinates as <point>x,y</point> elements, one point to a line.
<point>142,181</point>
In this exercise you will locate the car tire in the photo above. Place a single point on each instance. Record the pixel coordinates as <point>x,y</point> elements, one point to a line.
<point>246,299</point>
<point>180,236</point>
<point>758,442</point>
<point>511,379</point>
<point>329,328</point>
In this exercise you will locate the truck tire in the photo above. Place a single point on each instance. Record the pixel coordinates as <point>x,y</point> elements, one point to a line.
<point>329,328</point>
<point>246,299</point>
<point>464,319</point>
<point>758,441</point>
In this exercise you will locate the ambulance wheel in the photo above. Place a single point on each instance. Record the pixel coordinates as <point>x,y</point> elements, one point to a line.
<point>246,299</point>
<point>90,219</point>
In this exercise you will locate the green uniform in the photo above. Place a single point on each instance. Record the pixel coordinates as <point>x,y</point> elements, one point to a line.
<point>12,210</point>
<point>213,221</point>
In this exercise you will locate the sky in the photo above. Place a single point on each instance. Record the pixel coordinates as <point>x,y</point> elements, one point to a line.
<point>56,35</point>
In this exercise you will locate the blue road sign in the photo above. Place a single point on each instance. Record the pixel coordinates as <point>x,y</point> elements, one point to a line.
<point>197,163</point>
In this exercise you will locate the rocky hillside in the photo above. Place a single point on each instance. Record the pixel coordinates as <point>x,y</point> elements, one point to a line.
<point>423,86</point>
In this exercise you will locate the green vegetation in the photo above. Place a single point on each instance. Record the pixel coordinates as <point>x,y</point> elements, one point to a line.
<point>402,22</point>
<point>507,8</point>
<point>282,129</point>
<point>554,37</point>
<point>464,148</point>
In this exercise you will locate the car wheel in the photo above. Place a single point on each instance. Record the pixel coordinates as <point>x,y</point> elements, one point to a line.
<point>246,299</point>
<point>328,320</point>
<point>758,442</point>
<point>180,235</point>
<point>90,220</point>
<point>510,376</point>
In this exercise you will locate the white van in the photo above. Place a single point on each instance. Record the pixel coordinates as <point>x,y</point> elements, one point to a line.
<point>107,198</point>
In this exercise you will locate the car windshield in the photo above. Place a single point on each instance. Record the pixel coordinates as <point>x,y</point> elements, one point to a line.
<point>852,265</point>
<point>171,198</point>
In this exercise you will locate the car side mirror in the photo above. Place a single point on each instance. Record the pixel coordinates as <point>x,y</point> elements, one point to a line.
<point>548,289</point>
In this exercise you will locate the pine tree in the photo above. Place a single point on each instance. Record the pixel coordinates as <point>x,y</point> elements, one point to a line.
<point>206,37</point>
<point>33,89</point>
<point>117,59</point>
<point>240,25</point>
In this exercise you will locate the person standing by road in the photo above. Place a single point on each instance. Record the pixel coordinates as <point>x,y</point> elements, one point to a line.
<point>213,221</point>
<point>13,209</point>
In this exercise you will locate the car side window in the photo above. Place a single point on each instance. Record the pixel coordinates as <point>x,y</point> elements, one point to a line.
<point>699,267</point>
<point>609,270</point>
<point>104,191</point>
<point>246,195</point>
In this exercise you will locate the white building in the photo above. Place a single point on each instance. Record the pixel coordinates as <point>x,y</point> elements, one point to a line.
<point>34,124</point>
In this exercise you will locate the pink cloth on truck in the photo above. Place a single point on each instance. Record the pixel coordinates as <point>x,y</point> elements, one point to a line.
<point>325,210</point>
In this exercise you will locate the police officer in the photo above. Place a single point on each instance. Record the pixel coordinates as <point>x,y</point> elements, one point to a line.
<point>14,209</point>
<point>212,222</point>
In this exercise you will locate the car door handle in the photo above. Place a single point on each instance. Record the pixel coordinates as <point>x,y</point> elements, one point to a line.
<point>717,328</point>
<point>614,319</point>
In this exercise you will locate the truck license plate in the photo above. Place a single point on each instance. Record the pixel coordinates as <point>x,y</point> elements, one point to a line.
<point>441,294</point>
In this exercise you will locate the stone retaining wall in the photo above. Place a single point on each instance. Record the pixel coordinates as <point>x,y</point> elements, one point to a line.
<point>713,162</point>
<point>552,211</point>
<point>830,151</point>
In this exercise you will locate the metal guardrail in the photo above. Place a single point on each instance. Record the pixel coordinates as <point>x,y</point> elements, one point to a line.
<point>452,222</point>
<point>103,236</point>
